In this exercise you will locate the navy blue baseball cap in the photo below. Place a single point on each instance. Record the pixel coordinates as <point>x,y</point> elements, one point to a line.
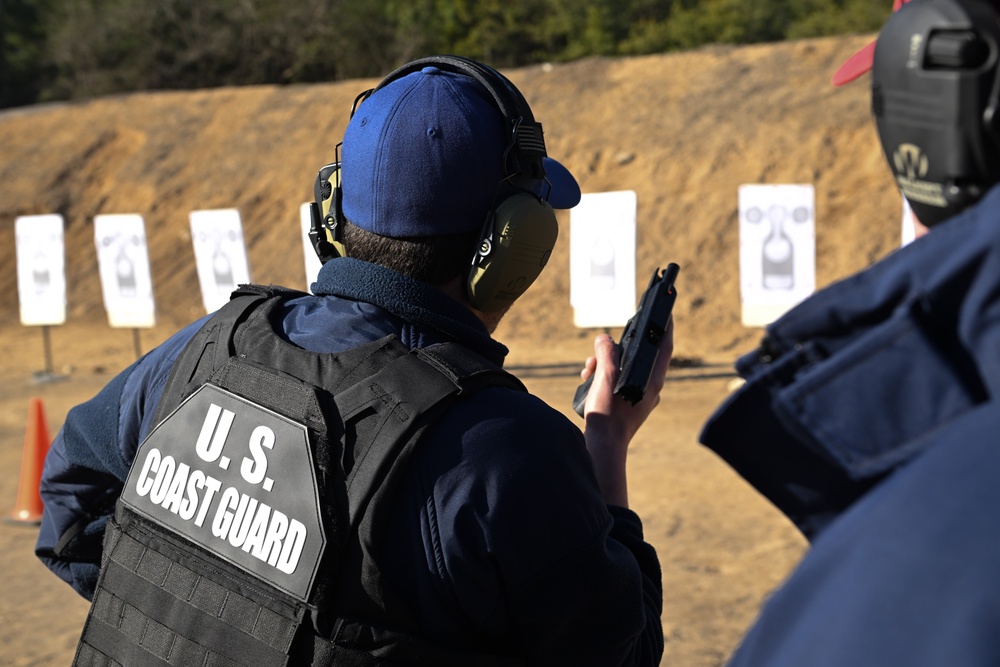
<point>424,156</point>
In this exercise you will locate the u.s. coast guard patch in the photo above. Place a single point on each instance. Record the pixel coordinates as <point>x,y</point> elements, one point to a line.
<point>236,479</point>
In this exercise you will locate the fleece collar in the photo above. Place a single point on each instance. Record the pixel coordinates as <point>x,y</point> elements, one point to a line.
<point>412,300</point>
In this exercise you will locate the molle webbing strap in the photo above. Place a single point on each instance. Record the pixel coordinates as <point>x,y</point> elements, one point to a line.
<point>466,368</point>
<point>235,625</point>
<point>283,395</point>
<point>183,376</point>
<point>398,404</point>
<point>390,393</point>
<point>214,344</point>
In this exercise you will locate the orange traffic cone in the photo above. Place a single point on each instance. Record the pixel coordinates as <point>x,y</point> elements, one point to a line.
<point>36,445</point>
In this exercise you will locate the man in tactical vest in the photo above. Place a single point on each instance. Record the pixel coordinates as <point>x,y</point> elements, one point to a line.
<point>870,412</point>
<point>349,477</point>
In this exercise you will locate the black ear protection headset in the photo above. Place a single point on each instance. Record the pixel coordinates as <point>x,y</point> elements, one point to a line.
<point>935,91</point>
<point>519,232</point>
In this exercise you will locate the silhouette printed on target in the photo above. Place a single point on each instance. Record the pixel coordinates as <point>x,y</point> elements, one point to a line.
<point>124,263</point>
<point>41,271</point>
<point>222,266</point>
<point>602,264</point>
<point>777,250</point>
<point>40,275</point>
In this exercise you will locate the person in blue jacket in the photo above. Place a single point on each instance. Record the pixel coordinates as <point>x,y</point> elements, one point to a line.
<point>509,532</point>
<point>870,411</point>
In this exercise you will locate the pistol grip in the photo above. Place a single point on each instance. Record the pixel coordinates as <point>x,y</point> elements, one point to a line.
<point>581,395</point>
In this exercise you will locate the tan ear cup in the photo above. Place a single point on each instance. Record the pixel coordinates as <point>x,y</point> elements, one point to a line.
<point>524,233</point>
<point>328,192</point>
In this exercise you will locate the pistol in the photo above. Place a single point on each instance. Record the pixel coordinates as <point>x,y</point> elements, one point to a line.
<point>640,342</point>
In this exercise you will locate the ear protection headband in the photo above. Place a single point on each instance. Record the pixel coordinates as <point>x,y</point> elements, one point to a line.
<point>519,232</point>
<point>935,93</point>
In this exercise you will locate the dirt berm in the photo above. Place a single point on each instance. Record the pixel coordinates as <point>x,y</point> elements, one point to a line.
<point>681,130</point>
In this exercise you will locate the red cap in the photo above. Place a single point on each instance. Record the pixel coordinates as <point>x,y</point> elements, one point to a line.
<point>861,61</point>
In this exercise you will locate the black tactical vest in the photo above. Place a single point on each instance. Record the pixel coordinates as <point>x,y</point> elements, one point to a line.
<point>248,527</point>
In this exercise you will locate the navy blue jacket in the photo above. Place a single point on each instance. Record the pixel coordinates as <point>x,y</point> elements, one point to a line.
<point>499,536</point>
<point>871,416</point>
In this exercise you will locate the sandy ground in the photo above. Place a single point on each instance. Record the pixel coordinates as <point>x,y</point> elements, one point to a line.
<point>682,130</point>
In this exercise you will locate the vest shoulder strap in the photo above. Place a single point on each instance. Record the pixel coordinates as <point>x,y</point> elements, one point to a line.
<point>212,346</point>
<point>467,368</point>
<point>401,402</point>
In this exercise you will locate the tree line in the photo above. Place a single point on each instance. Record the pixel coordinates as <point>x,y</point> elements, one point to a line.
<point>71,49</point>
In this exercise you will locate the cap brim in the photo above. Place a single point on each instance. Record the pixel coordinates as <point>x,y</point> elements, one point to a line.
<point>855,66</point>
<point>562,189</point>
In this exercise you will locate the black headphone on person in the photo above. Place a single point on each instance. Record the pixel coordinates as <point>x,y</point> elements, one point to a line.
<point>519,232</point>
<point>935,95</point>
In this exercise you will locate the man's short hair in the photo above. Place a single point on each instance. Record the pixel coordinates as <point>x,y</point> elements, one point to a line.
<point>434,260</point>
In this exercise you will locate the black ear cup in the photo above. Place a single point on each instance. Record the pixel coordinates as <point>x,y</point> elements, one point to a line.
<point>515,246</point>
<point>935,87</point>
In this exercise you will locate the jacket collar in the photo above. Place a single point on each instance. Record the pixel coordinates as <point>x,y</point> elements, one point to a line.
<point>869,372</point>
<point>415,302</point>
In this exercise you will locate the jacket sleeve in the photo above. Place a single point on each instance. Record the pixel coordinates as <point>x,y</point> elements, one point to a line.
<point>88,462</point>
<point>525,545</point>
<point>907,576</point>
<point>600,605</point>
<point>647,649</point>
